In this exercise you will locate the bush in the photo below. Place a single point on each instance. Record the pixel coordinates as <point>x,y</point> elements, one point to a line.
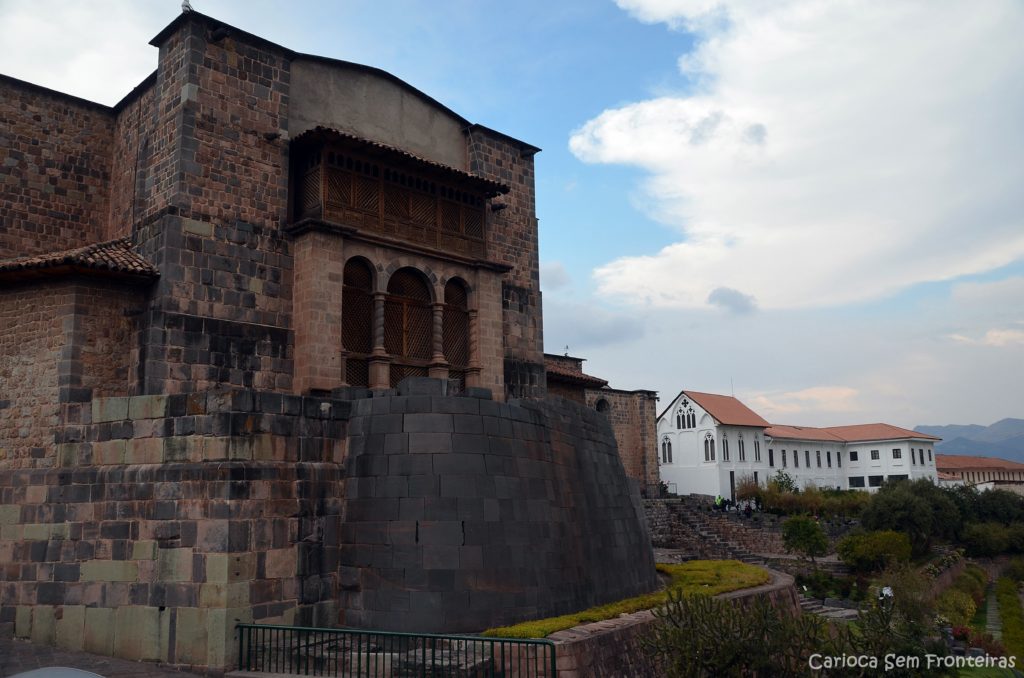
<point>986,539</point>
<point>873,551</point>
<point>804,535</point>
<point>696,636</point>
<point>956,606</point>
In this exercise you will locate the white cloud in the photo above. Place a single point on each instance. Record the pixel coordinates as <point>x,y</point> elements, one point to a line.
<point>732,300</point>
<point>787,407</point>
<point>833,152</point>
<point>998,338</point>
<point>98,50</point>
<point>553,276</point>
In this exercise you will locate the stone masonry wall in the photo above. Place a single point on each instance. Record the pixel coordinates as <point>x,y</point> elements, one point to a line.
<point>211,206</point>
<point>30,352</point>
<point>633,417</point>
<point>63,342</point>
<point>512,240</point>
<point>130,160</point>
<point>169,518</point>
<point>465,513</point>
<point>54,172</point>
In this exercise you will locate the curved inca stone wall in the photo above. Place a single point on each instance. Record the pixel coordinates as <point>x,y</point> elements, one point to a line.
<point>463,513</point>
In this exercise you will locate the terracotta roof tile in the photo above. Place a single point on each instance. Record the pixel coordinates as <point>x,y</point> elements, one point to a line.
<point>957,462</point>
<point>727,410</point>
<point>114,256</point>
<point>490,186</point>
<point>865,432</point>
<point>564,374</point>
<point>801,433</point>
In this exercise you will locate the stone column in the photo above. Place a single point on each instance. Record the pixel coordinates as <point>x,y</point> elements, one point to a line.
<point>380,361</point>
<point>438,368</point>
<point>474,369</point>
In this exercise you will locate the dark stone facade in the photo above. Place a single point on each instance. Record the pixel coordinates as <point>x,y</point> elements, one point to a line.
<point>465,513</point>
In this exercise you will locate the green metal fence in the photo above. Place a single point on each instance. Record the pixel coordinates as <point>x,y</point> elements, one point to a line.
<point>353,653</point>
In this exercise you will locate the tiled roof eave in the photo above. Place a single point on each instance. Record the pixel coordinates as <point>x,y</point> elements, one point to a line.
<point>488,186</point>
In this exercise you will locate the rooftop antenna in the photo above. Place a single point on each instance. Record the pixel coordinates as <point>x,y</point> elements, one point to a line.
<point>567,350</point>
<point>732,390</point>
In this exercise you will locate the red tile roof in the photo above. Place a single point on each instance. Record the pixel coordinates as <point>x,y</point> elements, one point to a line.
<point>566,375</point>
<point>111,257</point>
<point>864,432</point>
<point>326,133</point>
<point>801,433</point>
<point>726,409</point>
<point>958,462</point>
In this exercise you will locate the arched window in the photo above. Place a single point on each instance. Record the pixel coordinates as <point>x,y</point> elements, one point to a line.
<point>685,418</point>
<point>357,320</point>
<point>709,447</point>
<point>603,407</point>
<point>742,448</point>
<point>666,451</point>
<point>456,330</point>
<point>408,324</point>
<point>725,448</point>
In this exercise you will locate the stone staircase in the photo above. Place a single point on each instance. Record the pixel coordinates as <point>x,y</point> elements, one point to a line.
<point>687,526</point>
<point>827,608</point>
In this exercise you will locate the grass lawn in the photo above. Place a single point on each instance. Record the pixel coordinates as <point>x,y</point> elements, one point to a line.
<point>707,577</point>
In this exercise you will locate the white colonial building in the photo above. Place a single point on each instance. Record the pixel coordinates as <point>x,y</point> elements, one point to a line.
<point>708,443</point>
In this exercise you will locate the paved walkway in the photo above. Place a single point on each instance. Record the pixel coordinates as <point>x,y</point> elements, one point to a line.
<point>20,655</point>
<point>993,622</point>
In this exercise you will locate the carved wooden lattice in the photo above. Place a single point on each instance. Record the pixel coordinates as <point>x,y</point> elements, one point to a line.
<point>456,325</point>
<point>357,321</point>
<point>408,319</point>
<point>397,203</point>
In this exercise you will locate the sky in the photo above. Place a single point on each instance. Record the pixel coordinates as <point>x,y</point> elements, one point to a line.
<point>814,206</point>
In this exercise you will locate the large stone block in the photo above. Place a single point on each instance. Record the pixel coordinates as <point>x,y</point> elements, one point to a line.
<point>109,570</point>
<point>71,627</point>
<point>109,409</point>
<point>99,630</point>
<point>190,633</point>
<point>147,407</point>
<point>174,565</point>
<point>139,633</point>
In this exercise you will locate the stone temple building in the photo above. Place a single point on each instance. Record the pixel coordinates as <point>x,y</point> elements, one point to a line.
<point>271,351</point>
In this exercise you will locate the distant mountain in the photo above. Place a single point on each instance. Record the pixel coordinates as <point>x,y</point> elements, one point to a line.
<point>1004,439</point>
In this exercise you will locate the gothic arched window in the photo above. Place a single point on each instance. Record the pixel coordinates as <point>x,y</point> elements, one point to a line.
<point>709,448</point>
<point>666,451</point>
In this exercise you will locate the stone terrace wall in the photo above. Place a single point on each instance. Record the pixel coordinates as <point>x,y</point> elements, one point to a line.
<point>464,513</point>
<point>170,518</point>
<point>613,648</point>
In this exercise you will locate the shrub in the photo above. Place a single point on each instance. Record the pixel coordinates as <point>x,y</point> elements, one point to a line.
<point>1015,570</point>
<point>986,539</point>
<point>956,606</point>
<point>873,551</point>
<point>698,636</point>
<point>804,535</point>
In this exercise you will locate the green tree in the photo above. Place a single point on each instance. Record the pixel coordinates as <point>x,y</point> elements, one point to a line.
<point>803,535</point>
<point>873,551</point>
